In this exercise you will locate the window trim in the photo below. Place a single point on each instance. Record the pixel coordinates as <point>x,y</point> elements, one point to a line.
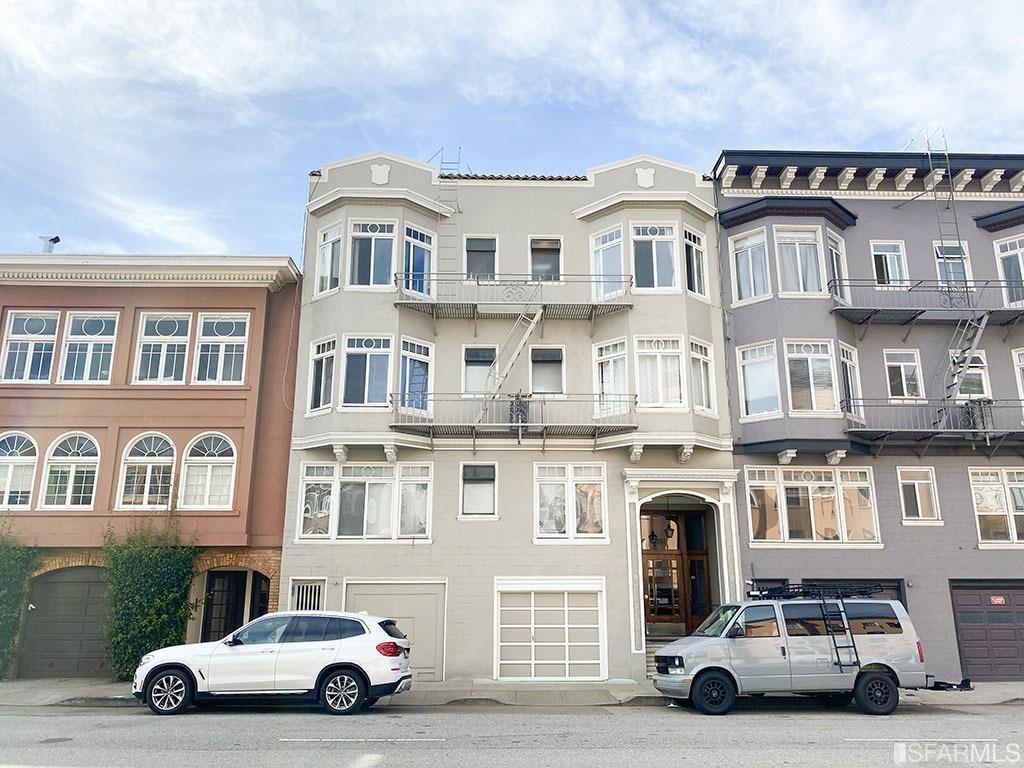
<point>433,246</point>
<point>462,364</point>
<point>313,357</point>
<point>734,269</point>
<point>922,397</point>
<point>229,506</point>
<point>141,338</point>
<point>822,292</point>
<point>890,286</point>
<point>54,356</point>
<point>431,369</point>
<point>676,240</point>
<point>49,459</point>
<point>466,237</point>
<point>343,372</point>
<point>496,515</point>
<point>14,460</point>
<point>66,340</point>
<point>600,279</point>
<point>1002,273</point>
<point>570,536</point>
<point>123,471</point>
<point>986,381</point>
<point>923,521</point>
<point>549,395</point>
<point>843,295</point>
<point>684,384</point>
<point>704,239</point>
<point>397,254</point>
<point>968,272</point>
<point>1017,363</point>
<point>855,361</point>
<point>599,412</point>
<point>319,243</point>
<point>713,412</point>
<point>991,544</point>
<point>836,412</point>
<point>744,418</point>
<point>219,382</point>
<point>332,513</point>
<point>561,258</point>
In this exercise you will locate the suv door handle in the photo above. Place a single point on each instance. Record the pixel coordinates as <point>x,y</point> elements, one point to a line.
<point>272,650</point>
<point>328,648</point>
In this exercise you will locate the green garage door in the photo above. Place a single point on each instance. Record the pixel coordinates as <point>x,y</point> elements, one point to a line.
<point>63,631</point>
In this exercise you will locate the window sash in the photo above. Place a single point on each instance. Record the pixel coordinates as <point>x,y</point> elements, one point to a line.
<point>545,259</point>
<point>221,359</point>
<point>903,377</point>
<point>70,484</point>
<point>29,356</point>
<point>654,257</point>
<point>147,484</point>
<point>890,264</point>
<point>207,484</point>
<point>849,375</point>
<point>581,485</point>
<point>700,378</point>
<point>760,381</point>
<point>660,375</point>
<point>750,263</point>
<point>321,393</point>
<point>811,381</point>
<point>415,378</point>
<point>419,258</point>
<point>479,490</point>
<point>998,505</point>
<point>918,495</point>
<point>370,259</point>
<point>378,507</point>
<point>16,480</point>
<point>799,263</point>
<point>481,258</point>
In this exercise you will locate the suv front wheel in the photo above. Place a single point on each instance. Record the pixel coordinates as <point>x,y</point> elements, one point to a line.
<point>713,693</point>
<point>169,692</point>
<point>343,692</point>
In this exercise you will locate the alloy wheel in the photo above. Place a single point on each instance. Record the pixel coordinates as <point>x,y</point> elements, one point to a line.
<point>341,692</point>
<point>714,692</point>
<point>167,692</point>
<point>878,692</point>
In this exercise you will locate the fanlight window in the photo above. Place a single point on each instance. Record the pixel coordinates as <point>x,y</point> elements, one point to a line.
<point>17,470</point>
<point>71,469</point>
<point>17,446</point>
<point>76,446</point>
<point>212,446</point>
<point>208,474</point>
<point>148,468</point>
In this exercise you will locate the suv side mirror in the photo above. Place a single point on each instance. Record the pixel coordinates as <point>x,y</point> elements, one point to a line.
<point>233,640</point>
<point>736,630</point>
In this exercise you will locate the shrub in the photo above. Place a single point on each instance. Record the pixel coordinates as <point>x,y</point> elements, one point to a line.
<point>16,564</point>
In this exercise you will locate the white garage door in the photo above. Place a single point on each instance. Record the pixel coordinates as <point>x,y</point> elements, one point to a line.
<point>418,607</point>
<point>555,632</point>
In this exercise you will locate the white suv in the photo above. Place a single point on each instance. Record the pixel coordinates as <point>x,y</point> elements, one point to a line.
<point>346,661</point>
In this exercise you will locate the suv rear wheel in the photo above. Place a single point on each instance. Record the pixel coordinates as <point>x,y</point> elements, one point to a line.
<point>343,692</point>
<point>713,693</point>
<point>169,692</point>
<point>876,693</point>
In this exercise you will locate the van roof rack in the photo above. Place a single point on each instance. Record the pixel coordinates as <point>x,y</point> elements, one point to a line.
<point>816,591</point>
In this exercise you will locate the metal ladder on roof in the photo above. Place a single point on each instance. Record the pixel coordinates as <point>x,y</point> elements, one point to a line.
<point>448,245</point>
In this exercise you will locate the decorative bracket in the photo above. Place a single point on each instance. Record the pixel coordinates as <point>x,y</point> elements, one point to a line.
<point>787,456</point>
<point>834,457</point>
<point>636,452</point>
<point>390,454</point>
<point>684,453</point>
<point>340,453</point>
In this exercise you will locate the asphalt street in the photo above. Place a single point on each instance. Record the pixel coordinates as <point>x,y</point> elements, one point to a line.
<point>770,732</point>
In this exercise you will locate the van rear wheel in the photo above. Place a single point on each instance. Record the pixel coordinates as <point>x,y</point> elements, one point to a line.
<point>713,693</point>
<point>876,693</point>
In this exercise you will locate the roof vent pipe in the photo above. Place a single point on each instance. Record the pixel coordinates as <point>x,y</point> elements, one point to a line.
<point>48,242</point>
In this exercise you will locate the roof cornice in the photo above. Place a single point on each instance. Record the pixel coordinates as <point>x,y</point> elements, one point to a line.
<point>825,207</point>
<point>378,195</point>
<point>645,198</point>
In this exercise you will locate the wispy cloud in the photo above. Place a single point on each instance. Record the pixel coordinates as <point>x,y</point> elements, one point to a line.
<point>159,223</point>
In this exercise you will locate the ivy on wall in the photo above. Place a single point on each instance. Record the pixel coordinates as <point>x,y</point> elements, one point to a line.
<point>150,574</point>
<point>16,564</point>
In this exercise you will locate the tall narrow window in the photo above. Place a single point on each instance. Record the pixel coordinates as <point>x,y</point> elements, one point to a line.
<point>701,379</point>
<point>659,373</point>
<point>29,345</point>
<point>917,494</point>
<point>18,457</point>
<point>478,373</point>
<point>903,373</point>
<point>952,264</point>
<point>611,376</point>
<point>373,243</point>
<point>890,263</point>
<point>328,260</point>
<point>759,380</point>
<point>607,257</point>
<point>654,256</point>
<point>1011,265</point>
<point>146,473</point>
<point>1018,369</point>
<point>569,501</point>
<point>479,497</point>
<point>481,258</point>
<point>71,466</point>
<point>545,258</point>
<point>547,371</point>
<point>799,261</point>
<point>839,285</point>
<point>415,376</point>
<point>696,265</point>
<point>974,381</point>
<point>419,260</point>
<point>317,490</point>
<point>849,380</point>
<point>221,349</point>
<point>208,474</point>
<point>750,267</point>
<point>367,370</point>
<point>321,375</point>
<point>89,347</point>
<point>811,381</point>
<point>765,510</point>
<point>163,348</point>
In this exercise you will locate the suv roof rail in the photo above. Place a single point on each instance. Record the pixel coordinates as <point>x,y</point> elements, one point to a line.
<point>816,591</point>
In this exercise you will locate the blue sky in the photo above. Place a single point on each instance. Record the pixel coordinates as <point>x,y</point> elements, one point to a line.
<point>190,127</point>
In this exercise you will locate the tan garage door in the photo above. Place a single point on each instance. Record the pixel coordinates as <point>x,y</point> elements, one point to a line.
<point>418,607</point>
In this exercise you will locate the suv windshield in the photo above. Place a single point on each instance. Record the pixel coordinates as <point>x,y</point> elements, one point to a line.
<point>715,623</point>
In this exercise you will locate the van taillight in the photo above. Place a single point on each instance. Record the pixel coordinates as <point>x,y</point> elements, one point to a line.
<point>920,652</point>
<point>389,649</point>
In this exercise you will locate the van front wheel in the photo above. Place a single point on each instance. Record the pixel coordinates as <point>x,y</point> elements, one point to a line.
<point>713,693</point>
<point>876,693</point>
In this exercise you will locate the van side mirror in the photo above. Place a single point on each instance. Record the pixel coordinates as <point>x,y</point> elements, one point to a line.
<point>736,630</point>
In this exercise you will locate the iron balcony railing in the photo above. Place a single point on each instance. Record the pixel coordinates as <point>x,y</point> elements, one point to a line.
<point>454,294</point>
<point>456,415</point>
<point>914,419</point>
<point>868,301</point>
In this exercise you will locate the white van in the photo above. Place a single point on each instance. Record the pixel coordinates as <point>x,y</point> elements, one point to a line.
<point>838,649</point>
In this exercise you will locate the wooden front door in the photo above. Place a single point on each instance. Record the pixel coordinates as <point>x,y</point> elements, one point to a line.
<point>677,587</point>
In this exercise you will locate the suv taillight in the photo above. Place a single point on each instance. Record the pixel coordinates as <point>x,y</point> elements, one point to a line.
<point>920,652</point>
<point>389,649</point>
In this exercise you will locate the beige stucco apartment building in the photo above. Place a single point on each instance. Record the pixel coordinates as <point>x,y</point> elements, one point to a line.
<point>510,427</point>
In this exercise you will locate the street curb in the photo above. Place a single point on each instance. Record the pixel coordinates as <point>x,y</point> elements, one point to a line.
<point>99,701</point>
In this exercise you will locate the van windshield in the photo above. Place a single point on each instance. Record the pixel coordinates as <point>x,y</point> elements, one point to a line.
<point>715,623</point>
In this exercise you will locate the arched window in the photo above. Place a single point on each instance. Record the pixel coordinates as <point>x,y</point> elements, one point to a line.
<point>208,473</point>
<point>146,472</point>
<point>71,466</point>
<point>18,457</point>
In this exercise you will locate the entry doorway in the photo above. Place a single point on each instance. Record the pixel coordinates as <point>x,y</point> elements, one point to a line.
<point>231,599</point>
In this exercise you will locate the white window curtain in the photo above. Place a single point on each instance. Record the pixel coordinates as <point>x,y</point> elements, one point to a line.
<point>799,261</point>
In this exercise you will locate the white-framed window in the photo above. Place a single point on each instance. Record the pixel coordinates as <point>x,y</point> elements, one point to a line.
<point>147,470</point>
<point>918,499</point>
<point>88,347</point>
<point>1010,258</point>
<point>315,513</point>
<point>798,252</point>
<point>162,349</point>
<point>759,381</point>
<point>953,264</point>
<point>702,377</point>
<point>221,348</point>
<point>546,258</point>
<point>611,376</point>
<point>208,473</point>
<point>811,371</point>
<point>890,261</point>
<point>384,501</point>
<point>1017,355</point>
<point>416,379</point>
<point>29,343</point>
<point>367,374</point>
<point>998,504</point>
<point>18,457</point>
<point>328,261</point>
<point>838,275</point>
<point>570,502</point>
<point>654,256</point>
<point>321,374</point>
<point>481,257</point>
<point>547,370</point>
<point>749,266</point>
<point>659,372</point>
<point>307,594</point>
<point>903,374</point>
<point>696,263</point>
<point>371,254</point>
<point>849,381</point>
<point>812,505</point>
<point>419,260</point>
<point>478,370</point>
<point>606,255</point>
<point>478,493</point>
<point>974,381</point>
<point>72,463</point>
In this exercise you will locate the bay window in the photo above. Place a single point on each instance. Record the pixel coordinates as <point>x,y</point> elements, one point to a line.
<point>702,382</point>
<point>367,371</point>
<point>379,501</point>
<point>799,260</point>
<point>321,375</point>
<point>998,504</point>
<point>328,260</point>
<point>610,361</point>
<point>371,250</point>
<point>419,260</point>
<point>317,494</point>
<point>759,380</point>
<point>1011,266</point>
<point>606,251</point>
<point>750,266</point>
<point>654,256</point>
<point>659,372</point>
<point>569,502</point>
<point>696,264</point>
<point>811,376</point>
<point>416,375</point>
<point>849,379</point>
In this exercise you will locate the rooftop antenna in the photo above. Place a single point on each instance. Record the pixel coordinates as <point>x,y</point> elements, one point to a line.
<point>48,242</point>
